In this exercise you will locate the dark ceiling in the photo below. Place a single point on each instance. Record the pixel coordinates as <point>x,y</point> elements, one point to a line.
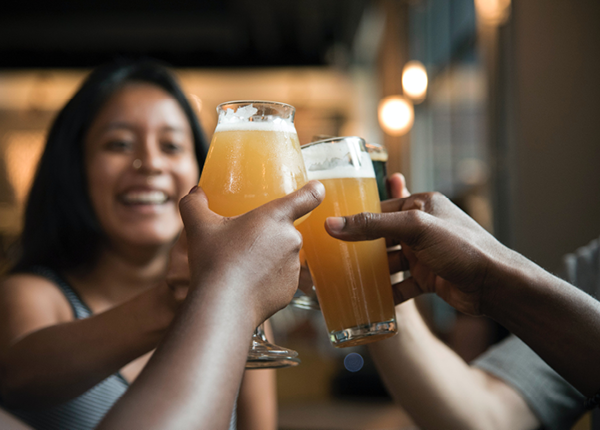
<point>184,33</point>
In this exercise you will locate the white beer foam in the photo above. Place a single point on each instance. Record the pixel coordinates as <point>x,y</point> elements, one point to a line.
<point>321,163</point>
<point>257,126</point>
<point>241,120</point>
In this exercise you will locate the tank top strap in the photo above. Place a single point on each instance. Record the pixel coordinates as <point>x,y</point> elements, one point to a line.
<point>80,309</point>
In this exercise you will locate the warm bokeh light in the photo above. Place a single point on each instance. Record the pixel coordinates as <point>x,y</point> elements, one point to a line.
<point>493,12</point>
<point>396,115</point>
<point>414,80</point>
<point>22,153</point>
<point>196,102</point>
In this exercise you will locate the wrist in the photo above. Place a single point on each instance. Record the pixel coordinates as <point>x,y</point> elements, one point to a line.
<point>226,294</point>
<point>508,283</point>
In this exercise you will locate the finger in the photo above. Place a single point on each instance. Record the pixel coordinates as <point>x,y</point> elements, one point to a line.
<point>391,242</point>
<point>194,210</point>
<point>397,261</point>
<point>406,290</point>
<point>393,205</point>
<point>397,186</point>
<point>298,203</point>
<point>404,226</point>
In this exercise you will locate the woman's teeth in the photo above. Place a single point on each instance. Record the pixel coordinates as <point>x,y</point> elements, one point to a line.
<point>145,198</point>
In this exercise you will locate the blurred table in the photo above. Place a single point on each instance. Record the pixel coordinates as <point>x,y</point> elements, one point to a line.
<point>343,415</point>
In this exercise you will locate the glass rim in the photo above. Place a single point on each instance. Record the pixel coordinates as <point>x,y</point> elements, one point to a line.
<point>334,140</point>
<point>254,101</point>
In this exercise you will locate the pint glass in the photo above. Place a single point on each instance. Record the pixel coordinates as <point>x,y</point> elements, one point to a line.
<point>379,157</point>
<point>254,157</point>
<point>352,279</point>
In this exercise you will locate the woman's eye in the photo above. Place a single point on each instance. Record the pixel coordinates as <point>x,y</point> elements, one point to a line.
<point>119,145</point>
<point>171,147</point>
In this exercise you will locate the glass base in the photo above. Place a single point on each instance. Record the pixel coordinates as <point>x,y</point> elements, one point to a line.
<point>264,355</point>
<point>363,334</point>
<point>306,303</point>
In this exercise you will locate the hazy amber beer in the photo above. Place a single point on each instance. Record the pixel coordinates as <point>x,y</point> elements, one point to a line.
<point>351,278</point>
<point>251,162</point>
<point>254,157</point>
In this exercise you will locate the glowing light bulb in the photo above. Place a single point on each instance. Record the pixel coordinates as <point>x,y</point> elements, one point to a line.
<point>493,12</point>
<point>414,80</point>
<point>396,115</point>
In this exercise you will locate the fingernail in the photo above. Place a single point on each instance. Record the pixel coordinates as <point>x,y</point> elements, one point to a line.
<point>193,189</point>
<point>336,223</point>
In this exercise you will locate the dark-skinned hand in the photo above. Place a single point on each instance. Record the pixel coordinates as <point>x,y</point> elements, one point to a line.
<point>257,252</point>
<point>446,251</point>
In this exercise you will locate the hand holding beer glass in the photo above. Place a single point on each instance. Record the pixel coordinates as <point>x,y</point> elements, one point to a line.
<point>254,157</point>
<point>352,279</point>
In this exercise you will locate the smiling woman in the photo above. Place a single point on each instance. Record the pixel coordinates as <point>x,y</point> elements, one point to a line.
<point>139,158</point>
<point>86,304</point>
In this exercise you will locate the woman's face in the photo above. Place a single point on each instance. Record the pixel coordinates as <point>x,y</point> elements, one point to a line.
<point>139,158</point>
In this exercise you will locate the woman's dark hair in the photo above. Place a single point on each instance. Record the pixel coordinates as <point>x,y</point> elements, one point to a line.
<point>61,230</point>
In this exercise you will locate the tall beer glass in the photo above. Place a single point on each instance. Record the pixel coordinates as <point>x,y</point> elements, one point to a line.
<point>379,156</point>
<point>254,157</point>
<point>352,279</point>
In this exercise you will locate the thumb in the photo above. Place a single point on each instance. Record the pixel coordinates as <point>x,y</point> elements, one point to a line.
<point>298,203</point>
<point>194,210</point>
<point>397,186</point>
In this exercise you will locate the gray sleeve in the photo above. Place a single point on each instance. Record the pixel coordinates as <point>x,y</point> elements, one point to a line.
<point>582,268</point>
<point>556,403</point>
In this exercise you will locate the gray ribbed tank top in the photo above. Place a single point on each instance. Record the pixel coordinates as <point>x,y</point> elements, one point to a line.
<point>83,412</point>
<point>86,411</point>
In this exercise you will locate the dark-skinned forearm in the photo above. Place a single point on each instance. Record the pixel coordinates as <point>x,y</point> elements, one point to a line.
<point>557,320</point>
<point>193,377</point>
<point>60,362</point>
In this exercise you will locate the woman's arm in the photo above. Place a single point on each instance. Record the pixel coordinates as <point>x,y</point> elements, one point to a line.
<point>47,358</point>
<point>192,379</point>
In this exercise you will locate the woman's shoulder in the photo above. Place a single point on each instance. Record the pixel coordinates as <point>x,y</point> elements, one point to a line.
<point>30,283</point>
<point>31,299</point>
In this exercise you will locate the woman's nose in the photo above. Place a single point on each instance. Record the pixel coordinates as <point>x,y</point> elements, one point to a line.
<point>152,159</point>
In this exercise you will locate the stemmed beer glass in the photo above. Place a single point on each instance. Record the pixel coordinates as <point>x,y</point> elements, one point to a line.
<point>254,157</point>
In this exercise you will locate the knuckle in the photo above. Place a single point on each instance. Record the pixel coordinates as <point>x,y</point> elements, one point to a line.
<point>416,218</point>
<point>314,195</point>
<point>437,197</point>
<point>364,220</point>
<point>184,202</point>
<point>299,242</point>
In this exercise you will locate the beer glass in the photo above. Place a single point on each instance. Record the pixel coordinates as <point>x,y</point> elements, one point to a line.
<point>254,157</point>
<point>352,279</point>
<point>379,156</point>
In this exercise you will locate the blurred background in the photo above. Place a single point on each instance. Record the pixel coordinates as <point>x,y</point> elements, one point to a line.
<point>495,104</point>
